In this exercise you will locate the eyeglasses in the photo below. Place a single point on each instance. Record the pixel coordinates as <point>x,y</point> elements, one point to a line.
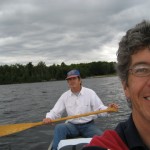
<point>140,70</point>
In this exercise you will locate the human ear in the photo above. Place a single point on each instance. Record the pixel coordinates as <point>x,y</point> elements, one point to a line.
<point>126,89</point>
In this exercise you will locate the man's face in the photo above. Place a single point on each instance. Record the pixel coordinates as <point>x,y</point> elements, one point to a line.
<point>138,88</point>
<point>74,82</point>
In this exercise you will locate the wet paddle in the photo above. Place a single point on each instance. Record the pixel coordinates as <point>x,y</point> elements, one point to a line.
<point>14,128</point>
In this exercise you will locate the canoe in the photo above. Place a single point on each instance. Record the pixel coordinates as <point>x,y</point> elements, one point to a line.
<point>50,146</point>
<point>75,143</point>
<point>69,144</point>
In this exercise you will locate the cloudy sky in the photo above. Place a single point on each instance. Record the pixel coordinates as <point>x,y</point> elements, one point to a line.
<point>70,31</point>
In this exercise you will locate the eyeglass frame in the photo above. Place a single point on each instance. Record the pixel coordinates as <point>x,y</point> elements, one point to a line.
<point>144,65</point>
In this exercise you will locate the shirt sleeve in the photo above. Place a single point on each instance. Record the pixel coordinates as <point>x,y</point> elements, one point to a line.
<point>57,110</point>
<point>97,104</point>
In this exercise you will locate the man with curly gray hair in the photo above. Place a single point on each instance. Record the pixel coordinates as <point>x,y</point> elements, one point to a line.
<point>133,68</point>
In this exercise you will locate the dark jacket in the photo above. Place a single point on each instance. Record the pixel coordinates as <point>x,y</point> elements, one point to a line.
<point>124,137</point>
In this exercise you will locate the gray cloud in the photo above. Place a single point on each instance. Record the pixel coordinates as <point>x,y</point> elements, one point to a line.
<point>69,31</point>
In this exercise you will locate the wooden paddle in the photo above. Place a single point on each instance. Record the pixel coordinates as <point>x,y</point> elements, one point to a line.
<point>14,128</point>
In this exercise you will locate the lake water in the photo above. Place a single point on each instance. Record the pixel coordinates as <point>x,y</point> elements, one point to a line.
<point>22,103</point>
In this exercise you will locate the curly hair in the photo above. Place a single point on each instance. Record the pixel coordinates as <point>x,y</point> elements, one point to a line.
<point>136,39</point>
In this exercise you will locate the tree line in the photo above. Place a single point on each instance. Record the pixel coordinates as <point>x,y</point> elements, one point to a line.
<point>18,73</point>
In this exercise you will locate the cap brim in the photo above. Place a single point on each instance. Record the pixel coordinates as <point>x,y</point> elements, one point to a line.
<point>72,76</point>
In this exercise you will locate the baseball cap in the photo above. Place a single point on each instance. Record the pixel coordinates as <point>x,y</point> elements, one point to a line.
<point>73,73</point>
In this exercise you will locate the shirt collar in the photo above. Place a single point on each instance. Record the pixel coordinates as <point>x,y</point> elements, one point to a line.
<point>80,93</point>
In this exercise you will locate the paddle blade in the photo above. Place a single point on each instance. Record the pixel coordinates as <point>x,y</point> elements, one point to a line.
<point>14,128</point>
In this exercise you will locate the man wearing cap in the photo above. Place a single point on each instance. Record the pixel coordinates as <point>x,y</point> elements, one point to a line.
<point>77,100</point>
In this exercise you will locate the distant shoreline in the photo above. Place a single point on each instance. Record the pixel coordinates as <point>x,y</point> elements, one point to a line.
<point>102,76</point>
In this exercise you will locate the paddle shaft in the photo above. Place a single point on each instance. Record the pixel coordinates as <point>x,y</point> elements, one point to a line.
<point>109,109</point>
<point>14,128</point>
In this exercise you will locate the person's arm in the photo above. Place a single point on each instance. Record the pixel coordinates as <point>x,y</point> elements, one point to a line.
<point>56,111</point>
<point>97,104</point>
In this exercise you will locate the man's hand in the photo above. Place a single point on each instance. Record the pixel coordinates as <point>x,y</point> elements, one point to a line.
<point>47,120</point>
<point>113,105</point>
